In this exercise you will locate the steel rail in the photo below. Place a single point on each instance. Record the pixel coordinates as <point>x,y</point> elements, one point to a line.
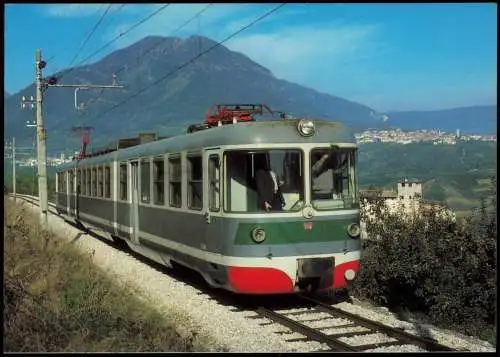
<point>402,336</point>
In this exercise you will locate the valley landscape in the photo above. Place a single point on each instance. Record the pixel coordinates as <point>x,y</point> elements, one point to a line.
<point>149,252</point>
<point>224,76</point>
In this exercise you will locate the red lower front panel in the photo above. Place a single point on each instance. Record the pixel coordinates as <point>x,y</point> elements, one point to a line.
<point>257,280</point>
<point>339,281</point>
<point>260,280</point>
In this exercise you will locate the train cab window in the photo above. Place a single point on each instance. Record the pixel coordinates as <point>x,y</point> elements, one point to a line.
<point>94,182</point>
<point>195,182</point>
<point>214,183</point>
<point>333,178</point>
<point>175,181</point>
<point>255,176</point>
<point>99,182</point>
<point>123,182</point>
<point>107,181</point>
<point>89,183</point>
<point>158,181</point>
<point>145,181</point>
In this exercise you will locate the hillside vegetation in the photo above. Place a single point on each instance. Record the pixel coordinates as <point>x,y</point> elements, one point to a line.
<point>457,175</point>
<point>454,174</point>
<point>220,76</point>
<point>445,273</point>
<point>56,300</point>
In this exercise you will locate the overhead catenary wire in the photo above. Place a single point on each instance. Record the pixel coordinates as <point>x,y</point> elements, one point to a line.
<point>157,11</point>
<point>191,60</point>
<point>92,31</point>
<point>180,27</point>
<point>137,59</point>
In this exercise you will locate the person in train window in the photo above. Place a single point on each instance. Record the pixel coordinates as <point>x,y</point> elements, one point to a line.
<point>319,166</point>
<point>269,194</point>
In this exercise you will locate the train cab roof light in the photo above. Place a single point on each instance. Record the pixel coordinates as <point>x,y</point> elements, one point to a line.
<point>306,127</point>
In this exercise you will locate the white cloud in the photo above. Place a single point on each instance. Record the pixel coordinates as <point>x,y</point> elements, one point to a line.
<point>169,19</point>
<point>74,10</point>
<point>319,55</point>
<point>296,53</point>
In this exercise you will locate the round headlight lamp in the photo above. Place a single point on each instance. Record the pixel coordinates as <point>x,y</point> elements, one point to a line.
<point>305,127</point>
<point>258,235</point>
<point>354,230</point>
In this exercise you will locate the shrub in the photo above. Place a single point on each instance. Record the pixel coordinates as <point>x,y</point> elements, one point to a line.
<point>429,264</point>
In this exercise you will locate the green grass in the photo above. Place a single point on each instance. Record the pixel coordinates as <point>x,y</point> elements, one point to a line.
<point>56,299</point>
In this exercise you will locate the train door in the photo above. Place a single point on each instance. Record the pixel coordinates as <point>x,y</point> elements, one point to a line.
<point>76,184</point>
<point>212,198</point>
<point>69,180</point>
<point>134,201</point>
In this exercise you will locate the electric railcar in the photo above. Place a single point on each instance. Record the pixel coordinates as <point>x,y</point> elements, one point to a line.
<point>192,199</point>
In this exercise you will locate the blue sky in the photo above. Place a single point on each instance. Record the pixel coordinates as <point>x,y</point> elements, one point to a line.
<point>387,56</point>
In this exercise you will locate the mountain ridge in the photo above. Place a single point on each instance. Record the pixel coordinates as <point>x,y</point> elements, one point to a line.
<point>220,76</point>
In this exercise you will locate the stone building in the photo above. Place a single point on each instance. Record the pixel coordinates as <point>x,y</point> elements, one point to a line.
<point>407,200</point>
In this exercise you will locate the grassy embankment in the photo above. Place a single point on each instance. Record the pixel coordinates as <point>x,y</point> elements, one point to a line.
<point>55,299</point>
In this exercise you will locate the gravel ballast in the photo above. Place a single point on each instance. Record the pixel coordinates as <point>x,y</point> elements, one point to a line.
<point>232,330</point>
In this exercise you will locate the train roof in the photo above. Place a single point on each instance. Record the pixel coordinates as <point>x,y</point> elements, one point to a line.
<point>264,132</point>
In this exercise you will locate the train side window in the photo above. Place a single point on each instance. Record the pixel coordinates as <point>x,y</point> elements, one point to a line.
<point>78,177</point>
<point>107,181</point>
<point>175,181</point>
<point>123,182</point>
<point>94,182</point>
<point>195,182</point>
<point>145,181</point>
<point>89,181</point>
<point>59,182</point>
<point>71,181</point>
<point>84,182</point>
<point>159,181</point>
<point>99,182</point>
<point>214,183</point>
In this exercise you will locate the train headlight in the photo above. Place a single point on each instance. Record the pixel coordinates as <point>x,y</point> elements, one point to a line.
<point>349,274</point>
<point>258,235</point>
<point>305,127</point>
<point>354,230</point>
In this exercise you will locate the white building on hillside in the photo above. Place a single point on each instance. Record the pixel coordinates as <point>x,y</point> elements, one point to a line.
<point>407,202</point>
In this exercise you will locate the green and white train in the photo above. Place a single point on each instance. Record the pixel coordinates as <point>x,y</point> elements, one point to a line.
<point>192,199</point>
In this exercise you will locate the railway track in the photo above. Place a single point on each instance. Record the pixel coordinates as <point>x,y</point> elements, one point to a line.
<point>325,323</point>
<point>331,321</point>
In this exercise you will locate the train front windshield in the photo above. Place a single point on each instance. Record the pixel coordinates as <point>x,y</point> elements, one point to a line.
<point>242,170</point>
<point>333,179</point>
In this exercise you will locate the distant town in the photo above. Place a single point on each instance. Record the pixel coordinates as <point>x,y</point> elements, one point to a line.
<point>406,137</point>
<point>397,136</point>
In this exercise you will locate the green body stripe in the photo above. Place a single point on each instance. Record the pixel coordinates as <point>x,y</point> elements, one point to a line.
<point>294,232</point>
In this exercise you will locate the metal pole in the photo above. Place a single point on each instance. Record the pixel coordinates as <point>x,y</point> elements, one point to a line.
<point>14,167</point>
<point>41,137</point>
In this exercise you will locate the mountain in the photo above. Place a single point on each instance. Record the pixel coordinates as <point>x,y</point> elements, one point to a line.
<point>181,99</point>
<point>5,95</point>
<point>473,120</point>
<point>168,106</point>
